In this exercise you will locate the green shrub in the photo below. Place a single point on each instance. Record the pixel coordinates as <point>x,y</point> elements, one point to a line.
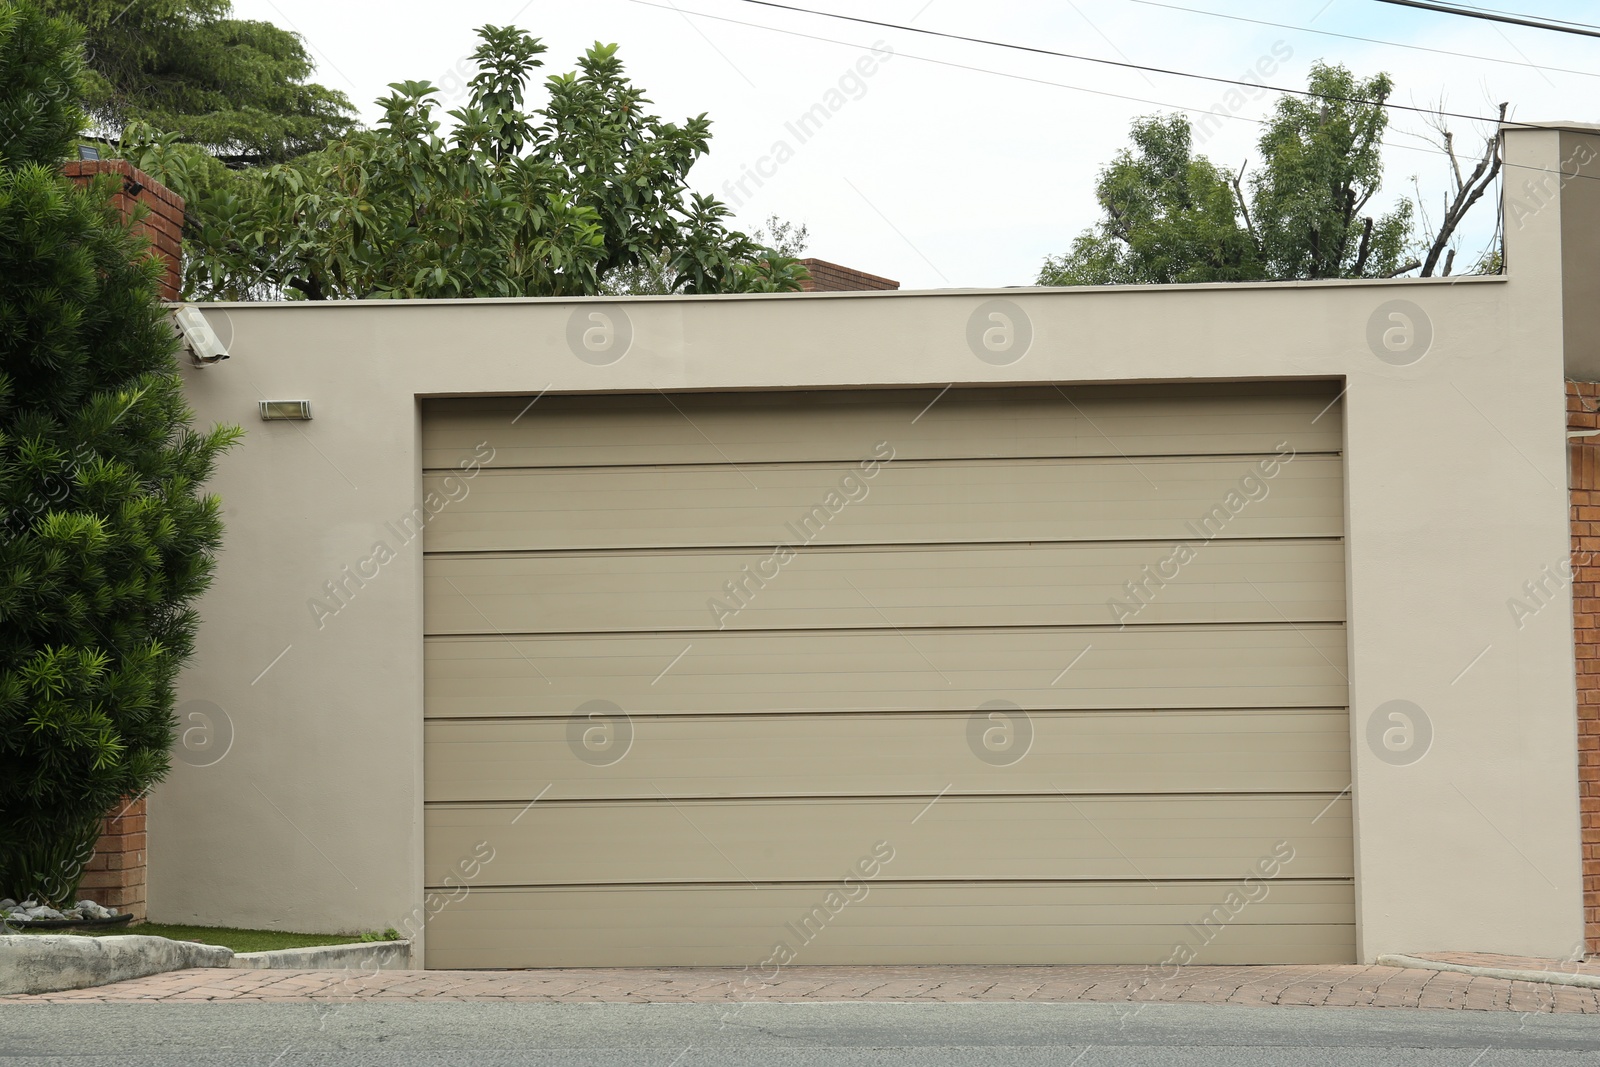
<point>105,537</point>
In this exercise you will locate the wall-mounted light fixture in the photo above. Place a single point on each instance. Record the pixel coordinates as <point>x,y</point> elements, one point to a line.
<point>273,410</point>
<point>198,336</point>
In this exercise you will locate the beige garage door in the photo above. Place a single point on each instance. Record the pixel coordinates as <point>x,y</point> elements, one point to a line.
<point>982,676</point>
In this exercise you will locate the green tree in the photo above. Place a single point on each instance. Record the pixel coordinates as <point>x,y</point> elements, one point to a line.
<point>1321,167</point>
<point>508,202</point>
<point>1170,216</point>
<point>650,278</point>
<point>105,537</point>
<point>39,107</point>
<point>236,87</point>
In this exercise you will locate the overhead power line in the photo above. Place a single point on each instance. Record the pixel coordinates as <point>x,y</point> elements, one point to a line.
<point>1368,40</point>
<point>1432,149</point>
<point>1012,75</point>
<point>1080,88</point>
<point>1582,29</point>
<point>1217,79</point>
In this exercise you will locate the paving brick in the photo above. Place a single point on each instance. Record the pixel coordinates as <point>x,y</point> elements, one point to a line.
<point>1134,986</point>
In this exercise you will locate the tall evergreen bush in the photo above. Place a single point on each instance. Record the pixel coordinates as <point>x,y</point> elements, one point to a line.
<point>105,536</point>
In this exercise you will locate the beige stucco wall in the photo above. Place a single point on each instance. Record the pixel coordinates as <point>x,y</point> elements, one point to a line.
<point>1574,182</point>
<point>1456,499</point>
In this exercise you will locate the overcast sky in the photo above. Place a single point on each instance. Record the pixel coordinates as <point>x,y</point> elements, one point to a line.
<point>969,170</point>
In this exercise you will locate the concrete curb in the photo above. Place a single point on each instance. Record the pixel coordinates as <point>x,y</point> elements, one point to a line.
<point>1515,974</point>
<point>48,963</point>
<point>368,955</point>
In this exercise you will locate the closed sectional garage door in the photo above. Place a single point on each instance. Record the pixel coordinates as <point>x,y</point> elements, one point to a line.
<point>982,676</point>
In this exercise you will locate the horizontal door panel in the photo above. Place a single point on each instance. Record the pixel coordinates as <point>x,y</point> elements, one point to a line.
<point>780,427</point>
<point>916,502</point>
<point>950,838</point>
<point>1288,922</point>
<point>1000,585</point>
<point>1232,751</point>
<point>887,670</point>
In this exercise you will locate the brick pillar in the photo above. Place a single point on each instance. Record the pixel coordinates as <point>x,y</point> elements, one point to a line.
<point>1583,453</point>
<point>114,878</point>
<point>163,219</point>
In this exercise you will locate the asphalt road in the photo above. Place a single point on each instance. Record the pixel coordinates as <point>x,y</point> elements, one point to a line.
<point>421,1034</point>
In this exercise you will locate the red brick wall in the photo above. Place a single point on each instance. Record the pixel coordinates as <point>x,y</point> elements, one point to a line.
<point>831,278</point>
<point>114,878</point>
<point>163,221</point>
<point>1583,413</point>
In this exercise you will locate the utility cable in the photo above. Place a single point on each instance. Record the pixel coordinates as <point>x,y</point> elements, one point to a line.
<point>1432,151</point>
<point>1140,66</point>
<point>1582,29</point>
<point>1368,40</point>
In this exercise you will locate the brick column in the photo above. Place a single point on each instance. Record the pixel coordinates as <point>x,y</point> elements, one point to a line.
<point>163,217</point>
<point>1583,453</point>
<point>114,877</point>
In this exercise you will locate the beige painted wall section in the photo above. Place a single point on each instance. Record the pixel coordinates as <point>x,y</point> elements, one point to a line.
<point>1575,183</point>
<point>1456,499</point>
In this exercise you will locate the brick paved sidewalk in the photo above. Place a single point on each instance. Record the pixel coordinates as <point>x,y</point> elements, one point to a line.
<point>1314,986</point>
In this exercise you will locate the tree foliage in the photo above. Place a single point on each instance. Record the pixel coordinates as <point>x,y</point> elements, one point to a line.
<point>1321,167</point>
<point>1170,216</point>
<point>650,278</point>
<point>236,87</point>
<point>105,536</point>
<point>509,201</point>
<point>40,71</point>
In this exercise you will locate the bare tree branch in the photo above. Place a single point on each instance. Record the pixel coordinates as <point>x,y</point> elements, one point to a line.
<point>1468,193</point>
<point>1408,265</point>
<point>1366,246</point>
<point>1244,208</point>
<point>1421,205</point>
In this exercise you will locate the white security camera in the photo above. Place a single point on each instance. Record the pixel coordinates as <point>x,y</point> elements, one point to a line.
<point>198,336</point>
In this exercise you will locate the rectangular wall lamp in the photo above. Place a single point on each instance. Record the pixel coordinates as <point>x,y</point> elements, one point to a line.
<point>272,410</point>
